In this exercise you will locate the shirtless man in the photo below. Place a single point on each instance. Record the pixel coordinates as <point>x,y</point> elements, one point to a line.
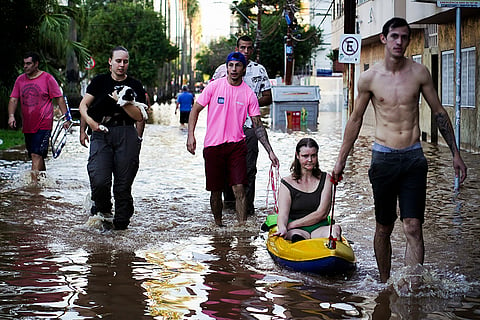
<point>399,168</point>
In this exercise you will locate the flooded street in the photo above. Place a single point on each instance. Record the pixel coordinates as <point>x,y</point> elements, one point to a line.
<point>174,263</point>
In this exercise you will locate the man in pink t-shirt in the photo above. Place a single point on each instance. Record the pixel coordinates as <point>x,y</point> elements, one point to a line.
<point>229,100</point>
<point>36,89</point>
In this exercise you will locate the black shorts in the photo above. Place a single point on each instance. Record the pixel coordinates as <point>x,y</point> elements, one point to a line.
<point>184,116</point>
<point>226,162</point>
<point>402,176</point>
<point>38,142</point>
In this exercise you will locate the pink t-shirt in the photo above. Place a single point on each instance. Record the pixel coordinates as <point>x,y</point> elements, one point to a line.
<point>36,100</point>
<point>227,110</point>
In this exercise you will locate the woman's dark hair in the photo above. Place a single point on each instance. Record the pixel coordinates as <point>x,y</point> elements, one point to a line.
<point>295,168</point>
<point>395,23</point>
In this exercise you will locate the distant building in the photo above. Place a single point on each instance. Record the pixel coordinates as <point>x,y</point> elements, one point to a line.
<point>321,17</point>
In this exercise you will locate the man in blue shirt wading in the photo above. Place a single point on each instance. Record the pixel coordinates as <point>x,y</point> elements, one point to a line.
<point>185,101</point>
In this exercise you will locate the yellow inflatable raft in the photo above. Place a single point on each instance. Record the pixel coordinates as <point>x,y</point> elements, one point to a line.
<point>312,255</point>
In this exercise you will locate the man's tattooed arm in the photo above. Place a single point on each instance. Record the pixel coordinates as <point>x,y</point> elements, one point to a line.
<point>261,133</point>
<point>446,129</point>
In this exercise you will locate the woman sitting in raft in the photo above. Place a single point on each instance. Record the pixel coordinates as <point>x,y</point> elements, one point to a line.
<point>305,198</point>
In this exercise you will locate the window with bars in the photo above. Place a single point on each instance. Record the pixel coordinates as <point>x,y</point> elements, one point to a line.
<point>431,36</point>
<point>447,78</point>
<point>338,9</point>
<point>467,74</point>
<point>468,77</point>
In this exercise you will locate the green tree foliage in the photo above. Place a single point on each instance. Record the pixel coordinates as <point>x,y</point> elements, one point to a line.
<point>137,28</point>
<point>305,39</point>
<point>34,25</point>
<point>18,30</point>
<point>55,42</point>
<point>209,58</point>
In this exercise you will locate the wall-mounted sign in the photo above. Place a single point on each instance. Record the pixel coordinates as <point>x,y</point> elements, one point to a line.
<point>350,47</point>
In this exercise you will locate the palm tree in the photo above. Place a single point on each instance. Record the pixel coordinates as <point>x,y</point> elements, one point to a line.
<point>42,26</point>
<point>193,10</point>
<point>58,45</point>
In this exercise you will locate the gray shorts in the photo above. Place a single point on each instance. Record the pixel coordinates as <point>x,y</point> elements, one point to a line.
<point>402,175</point>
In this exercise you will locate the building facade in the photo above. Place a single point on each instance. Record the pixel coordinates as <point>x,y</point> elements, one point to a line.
<point>433,43</point>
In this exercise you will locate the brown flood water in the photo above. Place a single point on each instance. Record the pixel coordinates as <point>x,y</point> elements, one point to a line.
<point>173,263</point>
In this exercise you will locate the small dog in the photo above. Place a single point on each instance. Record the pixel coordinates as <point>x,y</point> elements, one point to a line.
<point>127,95</point>
<point>122,95</point>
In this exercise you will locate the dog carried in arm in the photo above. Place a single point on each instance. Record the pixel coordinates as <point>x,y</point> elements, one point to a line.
<point>102,111</point>
<point>125,95</point>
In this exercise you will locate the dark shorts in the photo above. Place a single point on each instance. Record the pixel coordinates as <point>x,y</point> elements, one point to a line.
<point>38,142</point>
<point>184,116</point>
<point>398,175</point>
<point>225,163</point>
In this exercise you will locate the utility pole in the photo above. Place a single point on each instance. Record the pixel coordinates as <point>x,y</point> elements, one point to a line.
<point>258,38</point>
<point>349,73</point>
<point>289,58</point>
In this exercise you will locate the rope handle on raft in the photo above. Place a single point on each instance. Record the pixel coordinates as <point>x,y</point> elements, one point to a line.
<point>331,240</point>
<point>273,182</point>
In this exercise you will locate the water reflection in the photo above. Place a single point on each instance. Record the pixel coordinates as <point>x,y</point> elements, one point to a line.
<point>230,285</point>
<point>112,290</point>
<point>173,263</point>
<point>29,272</point>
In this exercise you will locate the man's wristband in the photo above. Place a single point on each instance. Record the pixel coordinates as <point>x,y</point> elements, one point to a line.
<point>11,114</point>
<point>68,116</point>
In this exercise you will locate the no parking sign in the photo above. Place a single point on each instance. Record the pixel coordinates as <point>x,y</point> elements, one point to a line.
<point>350,47</point>
<point>90,64</point>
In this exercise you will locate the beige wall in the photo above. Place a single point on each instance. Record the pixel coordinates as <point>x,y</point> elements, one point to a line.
<point>371,15</point>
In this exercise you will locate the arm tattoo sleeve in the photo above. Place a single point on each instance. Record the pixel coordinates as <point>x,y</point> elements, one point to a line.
<point>261,134</point>
<point>445,127</point>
